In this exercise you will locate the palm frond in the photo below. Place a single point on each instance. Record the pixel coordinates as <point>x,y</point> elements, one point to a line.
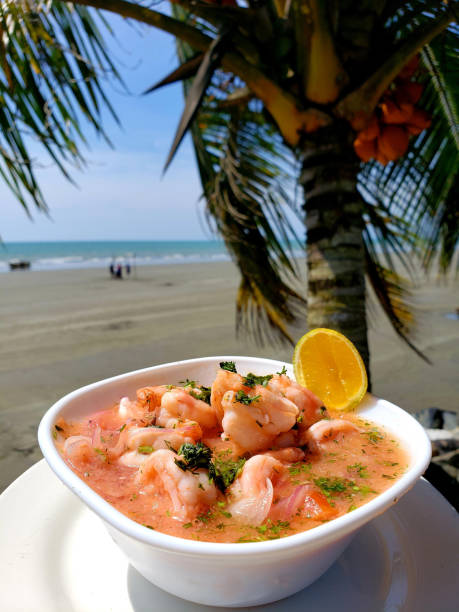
<point>411,204</point>
<point>210,61</point>
<point>248,179</point>
<point>392,292</point>
<point>246,203</point>
<point>52,61</point>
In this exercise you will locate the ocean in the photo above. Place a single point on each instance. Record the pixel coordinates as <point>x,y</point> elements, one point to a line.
<point>99,254</point>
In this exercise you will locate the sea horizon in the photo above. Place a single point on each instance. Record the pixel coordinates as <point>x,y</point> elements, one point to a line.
<point>78,254</point>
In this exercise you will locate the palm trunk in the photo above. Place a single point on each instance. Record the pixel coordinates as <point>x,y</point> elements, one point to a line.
<point>334,223</point>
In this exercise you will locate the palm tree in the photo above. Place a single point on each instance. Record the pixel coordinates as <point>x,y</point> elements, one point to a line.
<point>278,94</point>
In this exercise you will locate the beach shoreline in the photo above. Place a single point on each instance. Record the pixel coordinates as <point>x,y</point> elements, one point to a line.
<point>63,329</point>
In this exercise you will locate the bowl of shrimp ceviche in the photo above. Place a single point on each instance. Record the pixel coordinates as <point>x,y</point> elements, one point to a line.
<point>223,480</point>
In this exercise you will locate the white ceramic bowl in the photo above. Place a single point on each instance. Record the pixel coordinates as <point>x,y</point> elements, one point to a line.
<point>227,574</point>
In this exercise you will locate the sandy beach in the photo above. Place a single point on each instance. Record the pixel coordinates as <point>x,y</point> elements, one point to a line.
<point>64,329</point>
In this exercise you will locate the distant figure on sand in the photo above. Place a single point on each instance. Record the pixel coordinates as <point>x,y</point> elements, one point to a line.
<point>112,269</point>
<point>119,271</point>
<point>128,268</point>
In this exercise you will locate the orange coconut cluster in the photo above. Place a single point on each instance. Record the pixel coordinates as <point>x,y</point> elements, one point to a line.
<point>386,135</point>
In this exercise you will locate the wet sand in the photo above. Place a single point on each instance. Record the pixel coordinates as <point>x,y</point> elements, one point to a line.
<point>60,330</point>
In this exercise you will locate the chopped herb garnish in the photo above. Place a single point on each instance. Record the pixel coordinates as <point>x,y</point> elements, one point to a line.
<point>230,366</point>
<point>300,418</point>
<point>374,435</point>
<point>145,450</point>
<point>388,476</point>
<point>220,526</point>
<point>223,473</point>
<point>323,409</point>
<point>122,428</point>
<point>148,526</point>
<point>332,485</point>
<point>252,379</point>
<point>243,398</point>
<point>205,518</point>
<point>188,383</point>
<point>59,428</point>
<point>226,514</point>
<point>258,423</point>
<point>359,468</point>
<point>169,387</point>
<point>101,453</point>
<point>54,434</point>
<point>203,394</point>
<point>283,371</point>
<point>351,508</point>
<point>187,525</point>
<point>299,467</point>
<point>194,456</point>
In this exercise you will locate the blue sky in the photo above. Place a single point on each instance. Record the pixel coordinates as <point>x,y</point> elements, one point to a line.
<point>121,194</point>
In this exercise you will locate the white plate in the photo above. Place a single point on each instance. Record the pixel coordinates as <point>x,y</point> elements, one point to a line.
<point>406,559</point>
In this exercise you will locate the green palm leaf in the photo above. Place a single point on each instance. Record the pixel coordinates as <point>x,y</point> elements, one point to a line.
<point>418,193</point>
<point>246,171</point>
<point>52,62</point>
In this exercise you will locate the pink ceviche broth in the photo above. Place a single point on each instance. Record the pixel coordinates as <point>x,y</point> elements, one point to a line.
<point>250,458</point>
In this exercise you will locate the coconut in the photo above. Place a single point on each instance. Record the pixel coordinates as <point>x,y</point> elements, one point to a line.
<point>393,142</point>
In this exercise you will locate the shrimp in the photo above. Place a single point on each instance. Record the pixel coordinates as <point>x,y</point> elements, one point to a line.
<point>178,405</point>
<point>128,409</point>
<point>286,455</point>
<point>321,435</point>
<point>310,407</point>
<point>149,439</point>
<point>224,381</point>
<point>150,397</point>
<point>251,494</point>
<point>78,450</point>
<point>190,493</point>
<point>254,427</point>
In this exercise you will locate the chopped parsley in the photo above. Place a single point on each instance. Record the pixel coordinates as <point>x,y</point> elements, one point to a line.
<point>252,379</point>
<point>145,450</point>
<point>374,435</point>
<point>229,366</point>
<point>206,517</point>
<point>59,428</point>
<point>148,526</point>
<point>330,486</point>
<point>283,371</point>
<point>223,473</point>
<point>101,453</point>
<point>359,468</point>
<point>188,383</point>
<point>299,467</point>
<point>187,525</point>
<point>194,456</point>
<point>122,428</point>
<point>203,394</point>
<point>243,398</point>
